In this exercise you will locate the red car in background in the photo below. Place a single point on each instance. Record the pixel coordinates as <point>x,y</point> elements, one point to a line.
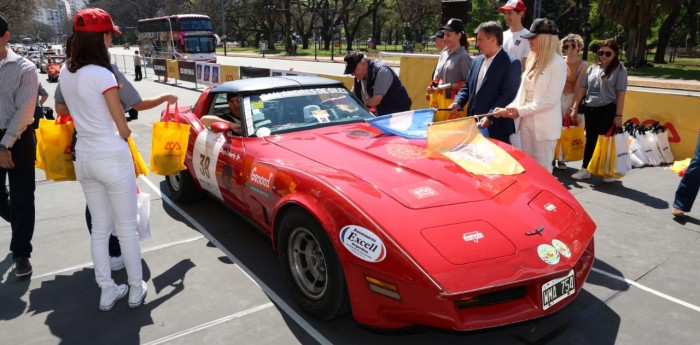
<point>373,224</point>
<point>53,66</point>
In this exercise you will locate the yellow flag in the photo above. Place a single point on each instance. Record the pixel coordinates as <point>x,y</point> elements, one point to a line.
<point>460,141</point>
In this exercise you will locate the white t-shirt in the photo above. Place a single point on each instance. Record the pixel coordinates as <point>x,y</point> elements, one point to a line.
<point>515,45</point>
<point>84,92</point>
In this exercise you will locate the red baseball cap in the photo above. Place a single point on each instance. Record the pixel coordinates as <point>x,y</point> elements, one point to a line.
<point>517,5</point>
<point>94,20</point>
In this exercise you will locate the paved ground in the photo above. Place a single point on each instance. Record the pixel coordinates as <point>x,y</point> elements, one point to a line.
<point>212,279</point>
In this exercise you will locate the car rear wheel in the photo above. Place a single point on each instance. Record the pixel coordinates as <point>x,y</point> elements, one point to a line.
<point>310,266</point>
<point>182,187</point>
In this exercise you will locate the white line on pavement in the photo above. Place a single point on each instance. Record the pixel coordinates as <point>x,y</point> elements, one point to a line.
<point>647,289</point>
<point>210,324</point>
<point>282,304</point>
<point>89,264</point>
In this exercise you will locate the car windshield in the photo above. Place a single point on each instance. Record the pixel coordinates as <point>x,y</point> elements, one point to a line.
<point>295,110</point>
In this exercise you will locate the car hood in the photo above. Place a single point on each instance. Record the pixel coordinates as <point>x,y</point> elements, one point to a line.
<point>403,169</point>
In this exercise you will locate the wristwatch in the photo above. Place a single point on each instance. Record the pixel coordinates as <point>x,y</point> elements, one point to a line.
<point>4,148</point>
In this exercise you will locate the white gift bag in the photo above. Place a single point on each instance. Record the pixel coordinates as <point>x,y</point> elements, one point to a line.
<point>664,147</point>
<point>143,225</point>
<point>623,161</point>
<point>651,148</point>
<point>637,155</point>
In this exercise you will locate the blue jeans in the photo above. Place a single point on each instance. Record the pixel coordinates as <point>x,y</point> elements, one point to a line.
<point>22,187</point>
<point>690,183</point>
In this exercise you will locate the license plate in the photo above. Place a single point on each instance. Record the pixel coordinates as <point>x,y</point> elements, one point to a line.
<point>556,290</point>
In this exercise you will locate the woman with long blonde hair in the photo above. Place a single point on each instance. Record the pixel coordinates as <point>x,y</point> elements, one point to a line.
<point>537,106</point>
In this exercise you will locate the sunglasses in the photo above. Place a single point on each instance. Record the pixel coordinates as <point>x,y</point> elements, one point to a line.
<point>606,53</point>
<point>567,47</point>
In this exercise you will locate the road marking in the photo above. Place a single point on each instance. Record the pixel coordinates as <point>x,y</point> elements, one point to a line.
<point>276,299</point>
<point>210,324</point>
<point>647,289</point>
<point>90,264</point>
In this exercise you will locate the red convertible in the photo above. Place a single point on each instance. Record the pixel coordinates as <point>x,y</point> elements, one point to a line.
<point>373,224</point>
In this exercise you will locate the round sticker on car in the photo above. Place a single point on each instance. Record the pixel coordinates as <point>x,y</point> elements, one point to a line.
<point>562,248</point>
<point>548,254</point>
<point>363,243</point>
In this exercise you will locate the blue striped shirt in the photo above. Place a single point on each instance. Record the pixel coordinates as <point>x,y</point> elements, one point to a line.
<point>18,95</point>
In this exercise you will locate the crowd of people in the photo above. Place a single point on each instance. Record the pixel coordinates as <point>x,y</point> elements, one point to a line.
<point>525,80</point>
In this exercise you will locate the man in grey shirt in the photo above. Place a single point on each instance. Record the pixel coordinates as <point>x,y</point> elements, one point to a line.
<point>18,99</point>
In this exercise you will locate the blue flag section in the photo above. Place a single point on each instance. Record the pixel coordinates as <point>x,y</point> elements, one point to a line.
<point>411,124</point>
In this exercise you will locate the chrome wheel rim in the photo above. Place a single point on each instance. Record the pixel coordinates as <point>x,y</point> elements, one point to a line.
<point>307,263</point>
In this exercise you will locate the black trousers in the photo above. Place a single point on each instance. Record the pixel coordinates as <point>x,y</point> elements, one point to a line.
<point>598,121</point>
<point>22,187</point>
<point>139,76</point>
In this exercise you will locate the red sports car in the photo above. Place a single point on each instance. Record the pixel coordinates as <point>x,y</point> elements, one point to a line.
<point>375,224</point>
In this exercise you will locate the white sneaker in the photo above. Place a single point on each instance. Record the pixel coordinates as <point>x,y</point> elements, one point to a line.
<point>137,294</point>
<point>609,179</point>
<point>581,174</point>
<point>111,295</point>
<point>116,263</point>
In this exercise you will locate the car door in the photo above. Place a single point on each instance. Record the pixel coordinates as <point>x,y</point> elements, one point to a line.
<point>218,159</point>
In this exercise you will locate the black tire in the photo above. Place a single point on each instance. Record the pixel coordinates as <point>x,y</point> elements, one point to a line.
<point>182,187</point>
<point>310,267</point>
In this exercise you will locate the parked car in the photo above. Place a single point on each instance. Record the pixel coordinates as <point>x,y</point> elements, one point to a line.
<point>54,66</point>
<point>377,224</point>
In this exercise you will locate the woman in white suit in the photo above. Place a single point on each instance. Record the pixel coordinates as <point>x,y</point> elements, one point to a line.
<point>537,106</point>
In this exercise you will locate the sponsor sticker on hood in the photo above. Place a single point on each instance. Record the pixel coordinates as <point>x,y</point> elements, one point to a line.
<point>363,243</point>
<point>548,254</point>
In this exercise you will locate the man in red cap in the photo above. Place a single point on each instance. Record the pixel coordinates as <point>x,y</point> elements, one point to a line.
<point>513,42</point>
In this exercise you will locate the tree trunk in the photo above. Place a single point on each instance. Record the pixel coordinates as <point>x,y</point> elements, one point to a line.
<point>631,48</point>
<point>693,7</point>
<point>665,33</point>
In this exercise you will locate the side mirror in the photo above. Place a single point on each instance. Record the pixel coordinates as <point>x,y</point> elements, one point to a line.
<point>220,127</point>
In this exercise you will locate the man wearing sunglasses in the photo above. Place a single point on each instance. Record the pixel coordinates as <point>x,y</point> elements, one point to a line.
<point>603,91</point>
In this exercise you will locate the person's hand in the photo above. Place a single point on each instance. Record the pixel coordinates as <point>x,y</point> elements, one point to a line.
<point>454,108</point>
<point>170,98</point>
<point>6,160</point>
<point>485,122</point>
<point>617,122</point>
<point>500,112</point>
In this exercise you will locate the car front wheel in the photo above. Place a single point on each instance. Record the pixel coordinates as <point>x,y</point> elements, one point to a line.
<point>310,266</point>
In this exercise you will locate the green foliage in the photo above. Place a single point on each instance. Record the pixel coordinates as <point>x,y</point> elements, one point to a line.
<point>594,45</point>
<point>482,11</point>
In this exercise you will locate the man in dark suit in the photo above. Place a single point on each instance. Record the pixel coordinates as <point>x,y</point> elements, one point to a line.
<point>493,81</point>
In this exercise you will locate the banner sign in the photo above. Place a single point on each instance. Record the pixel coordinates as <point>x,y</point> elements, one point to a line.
<point>160,68</point>
<point>229,73</point>
<point>254,72</point>
<point>187,71</point>
<point>172,69</point>
<point>207,73</point>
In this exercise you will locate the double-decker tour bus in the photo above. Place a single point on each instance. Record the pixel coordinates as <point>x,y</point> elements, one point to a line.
<point>186,37</point>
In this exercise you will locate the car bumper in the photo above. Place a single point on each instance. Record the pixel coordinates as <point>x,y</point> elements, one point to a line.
<point>419,304</point>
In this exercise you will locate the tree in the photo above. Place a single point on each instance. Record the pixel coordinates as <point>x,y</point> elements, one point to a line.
<point>636,16</point>
<point>673,7</point>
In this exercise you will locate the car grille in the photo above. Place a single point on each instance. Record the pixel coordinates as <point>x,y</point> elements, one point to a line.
<point>491,298</point>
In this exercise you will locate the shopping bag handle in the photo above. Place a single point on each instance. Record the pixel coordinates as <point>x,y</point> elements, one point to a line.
<point>175,117</point>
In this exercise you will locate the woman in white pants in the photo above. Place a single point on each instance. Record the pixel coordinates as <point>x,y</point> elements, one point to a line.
<point>103,166</point>
<point>537,105</point>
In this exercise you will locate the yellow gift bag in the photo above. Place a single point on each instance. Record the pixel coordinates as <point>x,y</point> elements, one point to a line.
<point>600,161</point>
<point>572,142</point>
<point>169,144</point>
<point>54,151</point>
